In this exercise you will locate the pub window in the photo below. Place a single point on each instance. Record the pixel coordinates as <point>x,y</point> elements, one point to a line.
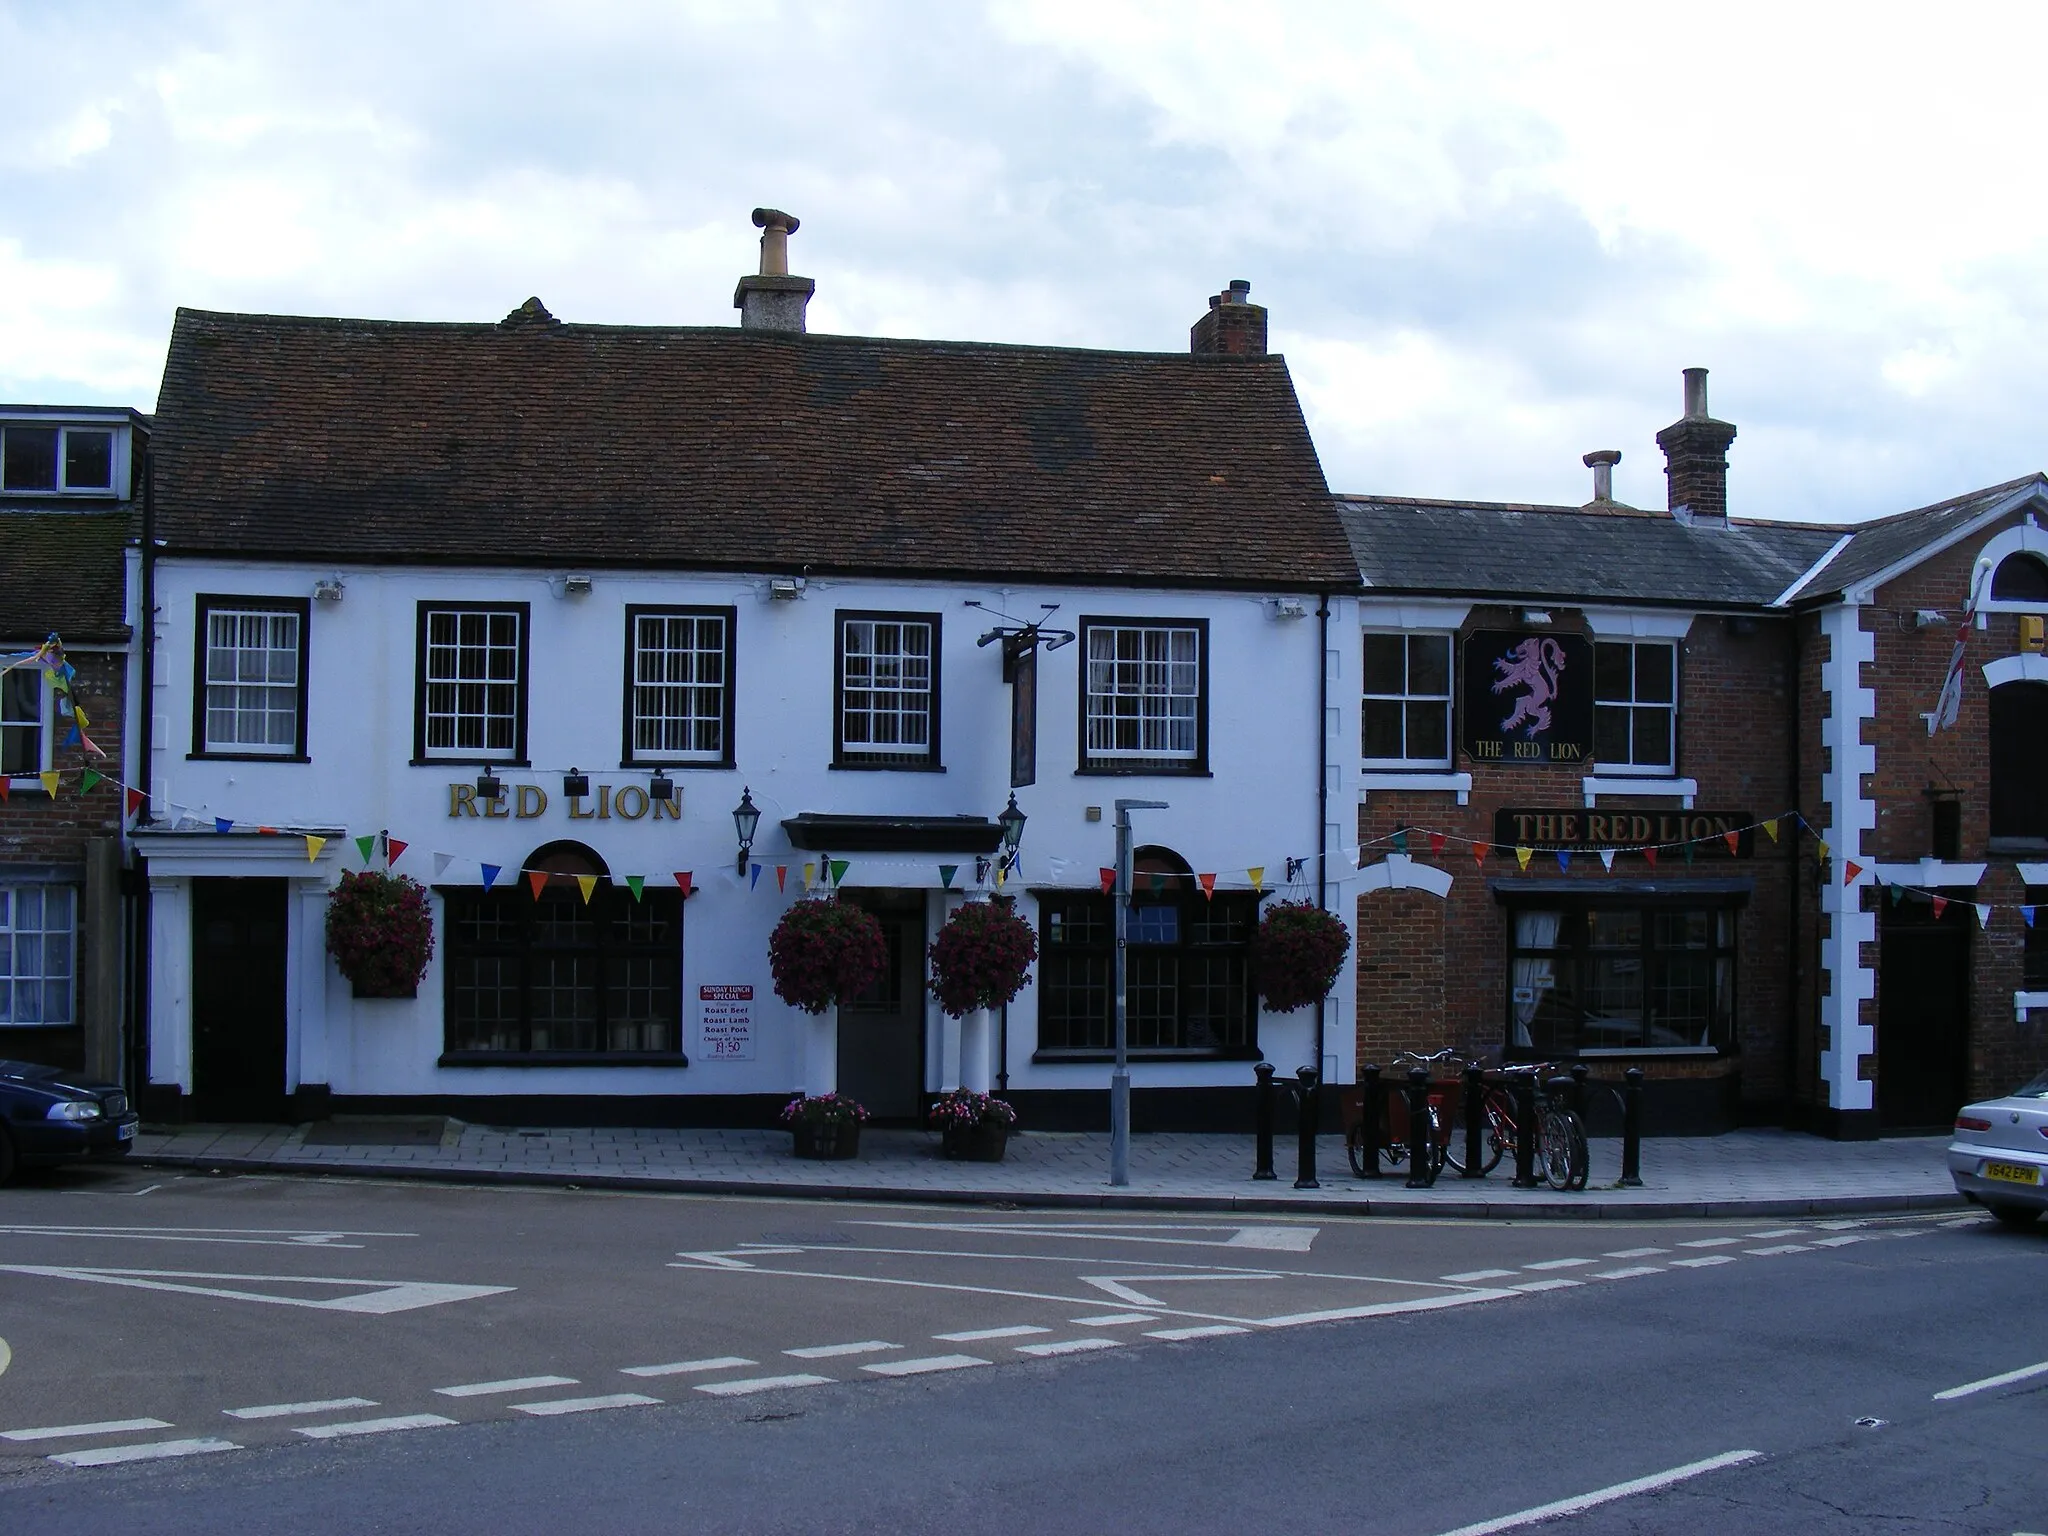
<point>469,698</point>
<point>553,976</point>
<point>1635,705</point>
<point>2019,745</point>
<point>1586,977</point>
<point>679,693</point>
<point>2036,975</point>
<point>2020,578</point>
<point>1406,712</point>
<point>1187,986</point>
<point>887,687</point>
<point>57,460</point>
<point>250,695</point>
<point>1144,696</point>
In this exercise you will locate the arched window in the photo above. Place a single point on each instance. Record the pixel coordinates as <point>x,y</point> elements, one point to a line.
<point>2019,751</point>
<point>2020,578</point>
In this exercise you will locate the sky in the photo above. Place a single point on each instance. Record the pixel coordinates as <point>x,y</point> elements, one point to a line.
<point>1489,237</point>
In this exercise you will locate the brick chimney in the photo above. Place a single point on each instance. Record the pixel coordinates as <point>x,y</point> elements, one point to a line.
<point>1234,326</point>
<point>773,301</point>
<point>1696,459</point>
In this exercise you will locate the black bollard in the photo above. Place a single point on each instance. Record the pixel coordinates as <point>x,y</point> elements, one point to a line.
<point>1632,1130</point>
<point>1475,1123</point>
<point>1419,1150</point>
<point>1262,1120</point>
<point>1373,1115</point>
<point>1525,1133</point>
<point>1305,1168</point>
<point>1578,1099</point>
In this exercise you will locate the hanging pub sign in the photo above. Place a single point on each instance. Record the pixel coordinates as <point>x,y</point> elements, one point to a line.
<point>1577,831</point>
<point>1020,668</point>
<point>1528,697</point>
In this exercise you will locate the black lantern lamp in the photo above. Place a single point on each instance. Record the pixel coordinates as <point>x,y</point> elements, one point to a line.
<point>488,787</point>
<point>576,784</point>
<point>1012,821</point>
<point>661,786</point>
<point>746,820</point>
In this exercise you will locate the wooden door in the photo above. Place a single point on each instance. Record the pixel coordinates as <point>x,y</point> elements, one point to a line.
<point>238,999</point>
<point>881,1033</point>
<point>1923,1016</point>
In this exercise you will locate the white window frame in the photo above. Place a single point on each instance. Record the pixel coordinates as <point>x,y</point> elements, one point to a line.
<point>427,716</point>
<point>1630,768</point>
<point>1447,699</point>
<point>117,457</point>
<point>884,682</point>
<point>240,610</point>
<point>10,956</point>
<point>1159,694</point>
<point>45,723</point>
<point>692,691</point>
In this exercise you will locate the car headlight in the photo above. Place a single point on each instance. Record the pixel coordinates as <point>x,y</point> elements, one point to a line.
<point>73,1109</point>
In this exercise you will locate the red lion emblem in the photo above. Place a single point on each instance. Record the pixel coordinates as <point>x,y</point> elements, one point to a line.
<point>1532,666</point>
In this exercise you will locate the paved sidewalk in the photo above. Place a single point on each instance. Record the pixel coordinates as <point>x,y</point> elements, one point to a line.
<point>1756,1172</point>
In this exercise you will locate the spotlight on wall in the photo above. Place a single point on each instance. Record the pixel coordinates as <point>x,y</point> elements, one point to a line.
<point>661,787</point>
<point>746,820</point>
<point>1535,615</point>
<point>575,586</point>
<point>488,786</point>
<point>785,589</point>
<point>328,589</point>
<point>1289,608</point>
<point>575,784</point>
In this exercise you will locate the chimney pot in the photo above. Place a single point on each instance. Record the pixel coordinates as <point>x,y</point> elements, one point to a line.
<point>773,300</point>
<point>1695,394</point>
<point>1602,461</point>
<point>1240,291</point>
<point>1233,327</point>
<point>776,227</point>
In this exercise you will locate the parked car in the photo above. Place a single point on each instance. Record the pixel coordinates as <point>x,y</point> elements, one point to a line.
<point>1999,1157</point>
<point>49,1115</point>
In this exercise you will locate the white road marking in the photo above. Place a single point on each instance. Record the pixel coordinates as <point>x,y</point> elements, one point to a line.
<point>688,1367</point>
<point>1112,1319</point>
<point>257,1237</point>
<point>1710,1242</point>
<point>1212,1331</point>
<point>6,1357</point>
<point>834,1351</point>
<point>78,1431</point>
<point>1471,1275</point>
<point>2004,1378</point>
<point>1764,1237</point>
<point>1267,1238</point>
<point>760,1384</point>
<point>561,1405</point>
<point>149,1190</point>
<point>1560,1263</point>
<point>513,1384</point>
<point>1545,1285</point>
<point>298,1410</point>
<point>1844,1239</point>
<point>977,1335</point>
<point>1627,1274</point>
<point>1119,1286</point>
<point>1586,1501</point>
<point>1773,1251</point>
<point>373,1297</point>
<point>1069,1346</point>
<point>1390,1308</point>
<point>111,1455</point>
<point>1635,1253</point>
<point>372,1426</point>
<point>729,1258</point>
<point>1702,1263</point>
<point>927,1364</point>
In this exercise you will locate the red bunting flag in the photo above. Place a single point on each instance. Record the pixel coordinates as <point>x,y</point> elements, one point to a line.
<point>538,879</point>
<point>1850,870</point>
<point>781,876</point>
<point>1436,842</point>
<point>393,848</point>
<point>266,831</point>
<point>5,786</point>
<point>1940,905</point>
<point>136,798</point>
<point>1108,880</point>
<point>1480,851</point>
<point>1208,884</point>
<point>1650,856</point>
<point>683,882</point>
<point>1733,840</point>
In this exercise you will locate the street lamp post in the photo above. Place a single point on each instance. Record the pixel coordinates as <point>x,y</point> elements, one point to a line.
<point>1120,1077</point>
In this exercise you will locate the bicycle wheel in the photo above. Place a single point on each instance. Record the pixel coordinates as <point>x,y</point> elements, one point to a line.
<point>1497,1136</point>
<point>1561,1148</point>
<point>1354,1149</point>
<point>1435,1146</point>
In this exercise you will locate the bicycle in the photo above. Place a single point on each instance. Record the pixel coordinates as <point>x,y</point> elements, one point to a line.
<point>1562,1157</point>
<point>1394,1123</point>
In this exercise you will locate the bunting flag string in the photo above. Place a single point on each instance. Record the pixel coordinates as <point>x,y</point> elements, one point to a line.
<point>684,883</point>
<point>1257,875</point>
<point>1607,859</point>
<point>586,884</point>
<point>1523,855</point>
<point>636,884</point>
<point>313,846</point>
<point>1208,884</point>
<point>839,868</point>
<point>538,879</point>
<point>1108,880</point>
<point>366,845</point>
<point>946,874</point>
<point>491,873</point>
<point>392,849</point>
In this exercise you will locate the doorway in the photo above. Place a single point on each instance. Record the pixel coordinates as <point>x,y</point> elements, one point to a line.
<point>881,1032</point>
<point>1923,1016</point>
<point>238,999</point>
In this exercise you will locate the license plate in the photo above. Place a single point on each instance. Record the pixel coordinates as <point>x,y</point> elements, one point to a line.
<point>124,1133</point>
<point>2012,1173</point>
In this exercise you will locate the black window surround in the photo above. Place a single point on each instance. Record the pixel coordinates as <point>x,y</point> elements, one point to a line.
<point>2019,737</point>
<point>205,606</point>
<point>631,755</point>
<point>1159,762</point>
<point>513,757</point>
<point>886,711</point>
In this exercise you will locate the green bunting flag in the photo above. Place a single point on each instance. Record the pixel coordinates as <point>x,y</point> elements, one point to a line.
<point>86,779</point>
<point>635,883</point>
<point>838,868</point>
<point>1401,841</point>
<point>946,874</point>
<point>366,845</point>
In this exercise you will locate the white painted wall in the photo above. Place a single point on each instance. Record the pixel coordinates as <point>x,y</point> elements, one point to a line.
<point>1257,807</point>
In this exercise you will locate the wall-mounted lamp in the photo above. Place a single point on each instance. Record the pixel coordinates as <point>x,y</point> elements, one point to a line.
<point>1927,618</point>
<point>575,784</point>
<point>488,786</point>
<point>1535,615</point>
<point>328,589</point>
<point>746,820</point>
<point>575,586</point>
<point>1289,608</point>
<point>1012,823</point>
<point>785,589</point>
<point>661,787</point>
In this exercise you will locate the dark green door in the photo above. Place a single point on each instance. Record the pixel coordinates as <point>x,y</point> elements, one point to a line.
<point>238,971</point>
<point>881,1032</point>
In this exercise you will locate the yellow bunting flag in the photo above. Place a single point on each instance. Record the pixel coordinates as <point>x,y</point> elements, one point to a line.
<point>1820,852</point>
<point>586,884</point>
<point>810,874</point>
<point>313,847</point>
<point>1257,875</point>
<point>1770,828</point>
<point>49,783</point>
<point>1522,856</point>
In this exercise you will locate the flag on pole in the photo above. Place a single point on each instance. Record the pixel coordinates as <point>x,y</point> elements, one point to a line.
<point>1950,702</point>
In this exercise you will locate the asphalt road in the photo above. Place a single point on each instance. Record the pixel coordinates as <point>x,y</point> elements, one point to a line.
<point>258,1354</point>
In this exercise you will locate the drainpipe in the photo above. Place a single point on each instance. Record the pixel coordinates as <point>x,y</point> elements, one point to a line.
<point>1322,794</point>
<point>145,750</point>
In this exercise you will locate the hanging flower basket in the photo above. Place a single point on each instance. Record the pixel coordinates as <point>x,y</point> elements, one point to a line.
<point>380,931</point>
<point>1296,955</point>
<point>982,957</point>
<point>824,952</point>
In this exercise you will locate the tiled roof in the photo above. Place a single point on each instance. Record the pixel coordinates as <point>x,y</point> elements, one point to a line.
<point>535,442</point>
<point>1605,552</point>
<point>63,571</point>
<point>1885,541</point>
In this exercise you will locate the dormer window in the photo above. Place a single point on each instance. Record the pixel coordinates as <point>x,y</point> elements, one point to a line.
<point>58,460</point>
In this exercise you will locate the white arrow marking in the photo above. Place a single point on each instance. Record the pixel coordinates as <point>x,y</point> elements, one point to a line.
<point>728,1258</point>
<point>1272,1239</point>
<point>1115,1284</point>
<point>6,1357</point>
<point>373,1297</point>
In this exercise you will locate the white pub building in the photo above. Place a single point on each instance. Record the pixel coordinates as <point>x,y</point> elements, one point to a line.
<point>528,610</point>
